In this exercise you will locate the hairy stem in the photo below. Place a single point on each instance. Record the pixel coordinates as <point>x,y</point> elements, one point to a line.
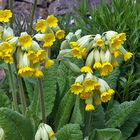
<point>42,102</point>
<point>13,87</point>
<point>33,14</point>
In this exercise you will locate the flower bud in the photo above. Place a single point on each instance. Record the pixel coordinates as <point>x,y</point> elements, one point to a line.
<point>90,59</point>
<point>110,34</point>
<point>1,134</point>
<point>7,33</point>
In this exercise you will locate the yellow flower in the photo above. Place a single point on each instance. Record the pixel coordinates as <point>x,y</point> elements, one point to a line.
<point>89,107</point>
<point>117,54</point>
<point>73,44</point>
<point>97,101</point>
<point>41,26</point>
<point>100,42</point>
<point>97,86</point>
<point>25,40</point>
<point>97,66</point>
<point>89,84</point>
<point>52,21</point>
<point>25,71</point>
<point>49,63</point>
<point>38,73</point>
<point>86,69</point>
<point>6,47</point>
<point>115,43</point>
<point>86,95</point>
<point>121,37</point>
<point>127,55</point>
<point>5,15</point>
<point>48,40</point>
<point>115,64</point>
<point>111,91</point>
<point>51,134</point>
<point>60,34</point>
<point>8,58</point>
<point>76,88</point>
<point>106,69</point>
<point>105,97</point>
<point>33,57</point>
<point>41,54</point>
<point>78,52</point>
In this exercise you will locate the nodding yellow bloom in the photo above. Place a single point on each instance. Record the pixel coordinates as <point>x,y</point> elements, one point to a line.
<point>51,134</point>
<point>86,95</point>
<point>25,40</point>
<point>33,57</point>
<point>60,34</point>
<point>89,107</point>
<point>48,40</point>
<point>100,42</point>
<point>117,54</point>
<point>89,84</point>
<point>97,101</point>
<point>78,52</point>
<point>38,73</point>
<point>5,15</point>
<point>73,44</point>
<point>6,47</point>
<point>49,63</point>
<point>121,37</point>
<point>97,66</point>
<point>105,97</point>
<point>106,69</point>
<point>52,21</point>
<point>8,58</point>
<point>41,26</point>
<point>97,86</point>
<point>127,55</point>
<point>76,88</point>
<point>115,43</point>
<point>111,91</point>
<point>25,71</point>
<point>86,69</point>
<point>41,54</point>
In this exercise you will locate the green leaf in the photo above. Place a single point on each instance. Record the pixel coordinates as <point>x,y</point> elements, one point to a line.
<point>98,118</point>
<point>4,100</point>
<point>105,134</point>
<point>64,110</point>
<point>70,132</point>
<point>16,126</point>
<point>121,114</point>
<point>135,138</point>
<point>77,116</point>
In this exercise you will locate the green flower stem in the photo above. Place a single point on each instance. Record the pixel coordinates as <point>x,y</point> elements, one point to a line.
<point>21,89</point>
<point>13,87</point>
<point>22,95</point>
<point>42,101</point>
<point>11,8</point>
<point>33,14</point>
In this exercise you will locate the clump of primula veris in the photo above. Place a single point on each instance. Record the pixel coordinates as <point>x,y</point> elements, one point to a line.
<point>101,54</point>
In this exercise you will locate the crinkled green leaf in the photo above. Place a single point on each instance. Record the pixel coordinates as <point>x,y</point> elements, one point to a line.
<point>16,126</point>
<point>70,132</point>
<point>105,134</point>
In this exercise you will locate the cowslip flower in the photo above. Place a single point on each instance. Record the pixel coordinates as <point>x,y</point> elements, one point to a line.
<point>89,107</point>
<point>60,34</point>
<point>52,21</point>
<point>49,63</point>
<point>77,87</point>
<point>25,40</point>
<point>86,69</point>
<point>5,15</point>
<point>41,25</point>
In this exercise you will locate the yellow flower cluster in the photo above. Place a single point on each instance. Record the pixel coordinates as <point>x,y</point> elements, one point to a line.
<point>91,89</point>
<point>50,31</point>
<point>31,57</point>
<point>101,54</point>
<point>29,54</point>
